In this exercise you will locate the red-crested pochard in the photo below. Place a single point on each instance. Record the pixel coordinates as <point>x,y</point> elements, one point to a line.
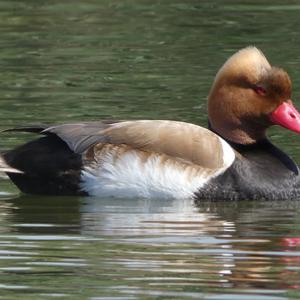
<point>170,159</point>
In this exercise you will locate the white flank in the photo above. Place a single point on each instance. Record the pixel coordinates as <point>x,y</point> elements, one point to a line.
<point>132,176</point>
<point>228,154</point>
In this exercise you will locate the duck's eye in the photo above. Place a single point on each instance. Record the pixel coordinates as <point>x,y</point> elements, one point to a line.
<point>260,90</point>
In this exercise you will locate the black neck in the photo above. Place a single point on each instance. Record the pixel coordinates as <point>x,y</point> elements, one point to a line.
<point>262,146</point>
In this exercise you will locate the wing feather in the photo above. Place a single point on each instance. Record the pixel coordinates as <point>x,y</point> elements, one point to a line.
<point>181,140</point>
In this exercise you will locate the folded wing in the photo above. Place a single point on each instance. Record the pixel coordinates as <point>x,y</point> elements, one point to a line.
<point>183,141</point>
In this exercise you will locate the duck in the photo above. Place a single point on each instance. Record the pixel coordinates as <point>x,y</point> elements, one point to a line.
<point>232,159</point>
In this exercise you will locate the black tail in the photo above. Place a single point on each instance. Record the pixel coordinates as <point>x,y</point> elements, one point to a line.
<point>4,167</point>
<point>44,166</point>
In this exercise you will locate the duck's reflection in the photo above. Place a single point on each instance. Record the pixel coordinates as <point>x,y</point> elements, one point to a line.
<point>238,245</point>
<point>26,214</point>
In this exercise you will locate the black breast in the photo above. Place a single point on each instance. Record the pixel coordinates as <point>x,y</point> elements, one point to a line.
<point>262,172</point>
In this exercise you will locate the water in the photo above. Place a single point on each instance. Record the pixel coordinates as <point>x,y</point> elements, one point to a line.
<point>63,61</point>
<point>89,248</point>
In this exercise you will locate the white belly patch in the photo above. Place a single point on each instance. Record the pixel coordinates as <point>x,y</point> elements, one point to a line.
<point>134,173</point>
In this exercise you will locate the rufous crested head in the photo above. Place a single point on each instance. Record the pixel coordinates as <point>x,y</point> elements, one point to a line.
<point>249,62</point>
<point>249,95</point>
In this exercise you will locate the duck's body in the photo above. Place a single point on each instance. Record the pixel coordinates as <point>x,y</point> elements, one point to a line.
<point>169,159</point>
<point>161,159</point>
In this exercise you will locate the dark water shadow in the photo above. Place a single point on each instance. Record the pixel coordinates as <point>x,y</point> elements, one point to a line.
<point>40,214</point>
<point>77,214</point>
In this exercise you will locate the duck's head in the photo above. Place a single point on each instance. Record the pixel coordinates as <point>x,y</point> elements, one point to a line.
<point>248,96</point>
